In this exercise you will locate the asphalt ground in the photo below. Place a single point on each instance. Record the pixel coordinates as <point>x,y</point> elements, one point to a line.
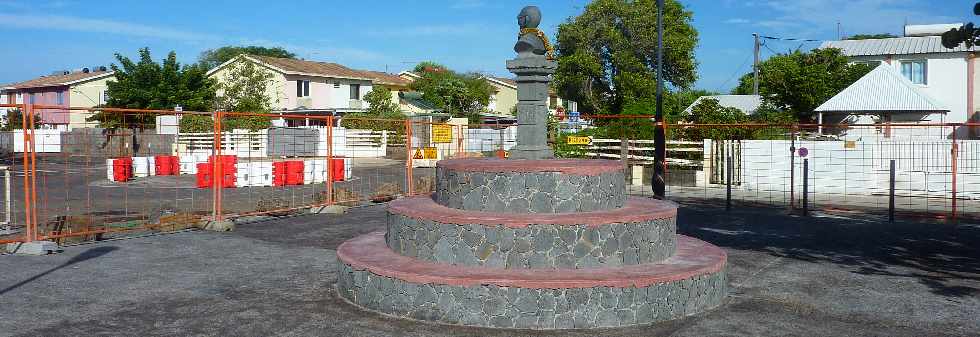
<point>788,276</point>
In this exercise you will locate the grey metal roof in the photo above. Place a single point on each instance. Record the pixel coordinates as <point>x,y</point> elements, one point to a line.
<point>893,46</point>
<point>747,103</point>
<point>882,90</point>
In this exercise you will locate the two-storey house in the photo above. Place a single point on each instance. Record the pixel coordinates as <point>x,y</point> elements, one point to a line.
<point>83,88</point>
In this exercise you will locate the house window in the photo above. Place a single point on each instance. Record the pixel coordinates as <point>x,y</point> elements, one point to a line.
<point>355,91</point>
<point>31,98</point>
<point>61,98</point>
<point>915,71</point>
<point>302,88</point>
<point>105,97</point>
<point>20,98</point>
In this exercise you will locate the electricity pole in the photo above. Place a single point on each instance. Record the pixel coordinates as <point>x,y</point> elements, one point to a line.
<point>755,66</point>
<point>659,138</point>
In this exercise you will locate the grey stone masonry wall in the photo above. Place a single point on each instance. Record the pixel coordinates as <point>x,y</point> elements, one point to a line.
<point>529,192</point>
<point>509,307</point>
<point>536,246</point>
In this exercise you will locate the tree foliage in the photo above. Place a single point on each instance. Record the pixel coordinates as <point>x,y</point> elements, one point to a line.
<point>870,36</point>
<point>709,111</point>
<point>799,82</point>
<point>380,101</point>
<point>146,84</point>
<point>15,119</point>
<point>607,56</point>
<point>461,95</point>
<point>214,57</point>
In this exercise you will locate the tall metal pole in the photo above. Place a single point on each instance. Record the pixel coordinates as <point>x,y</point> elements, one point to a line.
<point>755,66</point>
<point>660,138</point>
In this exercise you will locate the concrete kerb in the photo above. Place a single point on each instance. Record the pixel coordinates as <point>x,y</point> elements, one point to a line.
<point>33,248</point>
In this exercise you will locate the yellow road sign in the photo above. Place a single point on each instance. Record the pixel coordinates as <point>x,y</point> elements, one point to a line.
<point>431,153</point>
<point>418,154</point>
<point>442,133</point>
<point>577,140</point>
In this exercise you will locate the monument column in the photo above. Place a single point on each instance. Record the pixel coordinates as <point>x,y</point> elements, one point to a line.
<point>533,81</point>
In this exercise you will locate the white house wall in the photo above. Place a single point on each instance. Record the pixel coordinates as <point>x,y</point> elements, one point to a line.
<point>946,81</point>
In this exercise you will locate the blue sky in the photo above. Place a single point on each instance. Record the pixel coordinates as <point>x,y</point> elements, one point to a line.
<point>41,36</point>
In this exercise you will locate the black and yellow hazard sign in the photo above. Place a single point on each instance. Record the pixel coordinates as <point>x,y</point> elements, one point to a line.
<point>418,154</point>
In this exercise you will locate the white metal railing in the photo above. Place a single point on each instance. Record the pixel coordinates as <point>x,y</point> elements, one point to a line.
<point>242,143</point>
<point>642,150</point>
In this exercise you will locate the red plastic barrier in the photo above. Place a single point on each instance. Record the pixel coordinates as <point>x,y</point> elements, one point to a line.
<point>227,162</point>
<point>279,173</point>
<point>122,169</point>
<point>162,165</point>
<point>294,172</point>
<point>228,180</point>
<point>338,169</point>
<point>174,165</point>
<point>204,175</point>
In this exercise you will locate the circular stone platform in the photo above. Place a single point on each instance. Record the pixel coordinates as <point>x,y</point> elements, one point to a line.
<point>530,186</point>
<point>374,277</point>
<point>640,232</point>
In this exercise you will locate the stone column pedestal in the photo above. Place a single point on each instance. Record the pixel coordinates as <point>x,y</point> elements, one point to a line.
<point>533,81</point>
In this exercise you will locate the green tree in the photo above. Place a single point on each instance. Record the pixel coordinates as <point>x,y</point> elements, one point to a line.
<point>870,36</point>
<point>245,89</point>
<point>799,82</point>
<point>607,56</point>
<point>709,111</point>
<point>146,84</point>
<point>15,119</point>
<point>214,57</point>
<point>379,99</point>
<point>462,95</point>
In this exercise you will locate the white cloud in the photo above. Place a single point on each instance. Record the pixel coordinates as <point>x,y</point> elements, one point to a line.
<point>737,21</point>
<point>77,24</point>
<point>817,18</point>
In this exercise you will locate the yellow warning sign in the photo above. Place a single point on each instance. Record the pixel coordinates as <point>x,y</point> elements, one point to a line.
<point>418,154</point>
<point>442,133</point>
<point>431,153</point>
<point>577,140</point>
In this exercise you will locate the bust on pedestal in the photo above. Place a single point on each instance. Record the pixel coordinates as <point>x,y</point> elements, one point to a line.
<point>533,68</point>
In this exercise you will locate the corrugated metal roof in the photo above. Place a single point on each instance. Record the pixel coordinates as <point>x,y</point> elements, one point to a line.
<point>883,89</point>
<point>747,103</point>
<point>893,46</point>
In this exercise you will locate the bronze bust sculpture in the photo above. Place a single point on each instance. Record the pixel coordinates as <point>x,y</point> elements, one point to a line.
<point>531,40</point>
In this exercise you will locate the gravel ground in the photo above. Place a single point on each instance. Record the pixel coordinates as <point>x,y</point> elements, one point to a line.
<point>789,276</point>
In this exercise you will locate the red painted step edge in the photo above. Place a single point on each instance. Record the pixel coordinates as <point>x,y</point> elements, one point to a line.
<point>636,209</point>
<point>581,167</point>
<point>693,258</point>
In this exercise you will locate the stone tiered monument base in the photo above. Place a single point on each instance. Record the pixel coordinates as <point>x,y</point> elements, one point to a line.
<point>536,244</point>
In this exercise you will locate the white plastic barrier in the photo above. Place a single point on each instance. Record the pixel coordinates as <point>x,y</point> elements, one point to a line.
<point>144,166</point>
<point>253,174</point>
<point>45,140</point>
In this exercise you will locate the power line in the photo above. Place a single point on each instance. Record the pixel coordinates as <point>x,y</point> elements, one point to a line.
<point>788,39</point>
<point>737,71</point>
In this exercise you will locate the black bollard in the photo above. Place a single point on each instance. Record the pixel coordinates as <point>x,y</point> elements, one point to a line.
<point>806,187</point>
<point>891,192</point>
<point>728,186</point>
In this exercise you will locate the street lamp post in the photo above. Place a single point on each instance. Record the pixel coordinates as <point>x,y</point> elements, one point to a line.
<point>659,138</point>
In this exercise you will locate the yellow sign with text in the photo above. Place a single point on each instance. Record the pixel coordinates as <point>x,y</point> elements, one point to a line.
<point>442,133</point>
<point>431,153</point>
<point>577,140</point>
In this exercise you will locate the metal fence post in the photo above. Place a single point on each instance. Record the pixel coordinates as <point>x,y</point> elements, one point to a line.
<point>30,227</point>
<point>409,182</point>
<point>728,185</point>
<point>217,180</point>
<point>330,178</point>
<point>891,191</point>
<point>806,187</point>
<point>954,153</point>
